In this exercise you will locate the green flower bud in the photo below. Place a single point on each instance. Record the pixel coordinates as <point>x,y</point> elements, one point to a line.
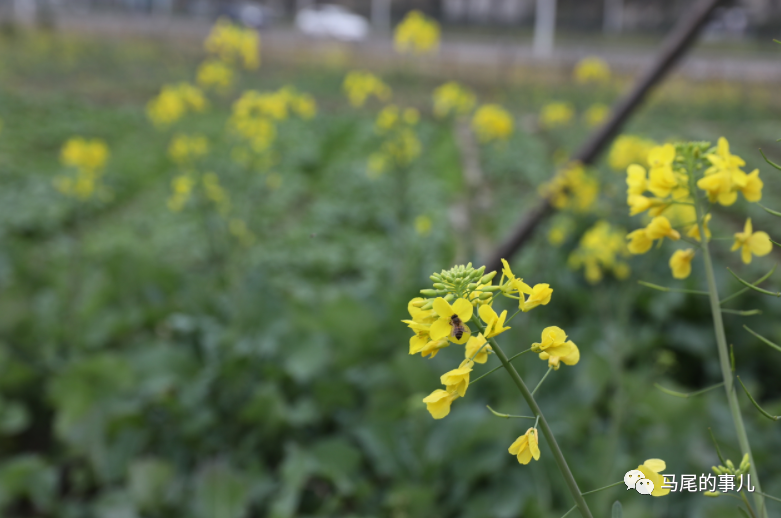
<point>484,296</point>
<point>428,305</point>
<point>487,278</point>
<point>442,293</point>
<point>718,470</point>
<point>450,297</point>
<point>712,494</point>
<point>435,277</point>
<point>730,466</point>
<point>481,270</point>
<point>471,286</point>
<point>439,286</point>
<point>745,463</point>
<point>429,293</point>
<point>490,289</point>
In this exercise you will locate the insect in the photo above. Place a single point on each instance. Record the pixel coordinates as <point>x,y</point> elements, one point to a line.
<point>459,329</point>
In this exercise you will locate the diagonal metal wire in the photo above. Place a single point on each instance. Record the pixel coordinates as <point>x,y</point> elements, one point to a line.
<point>674,46</point>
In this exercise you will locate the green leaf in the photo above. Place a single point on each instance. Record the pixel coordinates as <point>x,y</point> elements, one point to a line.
<point>148,481</point>
<point>618,511</point>
<point>220,492</point>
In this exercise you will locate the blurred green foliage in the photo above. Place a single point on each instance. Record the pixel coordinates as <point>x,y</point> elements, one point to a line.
<point>152,366</point>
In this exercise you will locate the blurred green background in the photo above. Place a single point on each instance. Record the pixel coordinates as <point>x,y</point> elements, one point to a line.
<point>151,365</point>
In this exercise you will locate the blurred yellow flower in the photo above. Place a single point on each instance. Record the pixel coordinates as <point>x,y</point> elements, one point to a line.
<point>416,34</point>
<point>359,86</point>
<point>627,150</point>
<point>423,225</point>
<point>233,43</point>
<point>185,149</point>
<point>556,114</point>
<point>173,102</point>
<point>602,248</point>
<point>453,98</point>
<point>681,263</point>
<point>642,239</point>
<point>182,187</point>
<point>88,158</point>
<point>572,188</point>
<point>592,70</point>
<point>492,122</point>
<point>694,230</point>
<point>238,228</point>
<point>526,446</point>
<point>215,192</point>
<point>751,243</point>
<point>215,74</point>
<point>596,114</point>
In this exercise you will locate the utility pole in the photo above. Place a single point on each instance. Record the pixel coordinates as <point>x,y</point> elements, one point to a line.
<point>544,28</point>
<point>381,14</point>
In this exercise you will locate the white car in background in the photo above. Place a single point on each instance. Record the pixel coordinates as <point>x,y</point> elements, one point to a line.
<point>332,21</point>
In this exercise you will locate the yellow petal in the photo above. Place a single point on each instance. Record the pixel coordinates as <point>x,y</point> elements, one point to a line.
<point>442,308</point>
<point>463,308</point>
<point>655,465</point>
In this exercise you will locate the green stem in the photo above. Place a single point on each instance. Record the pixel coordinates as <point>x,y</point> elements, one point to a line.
<point>497,368</point>
<point>512,317</point>
<point>508,416</point>
<point>748,505</point>
<point>765,340</point>
<point>756,405</point>
<point>558,456</point>
<point>742,312</point>
<point>674,290</point>
<point>721,343</point>
<point>603,488</point>
<point>543,379</point>
<point>686,394</point>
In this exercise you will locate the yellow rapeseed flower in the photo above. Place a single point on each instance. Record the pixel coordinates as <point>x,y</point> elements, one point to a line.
<point>572,188</point>
<point>438,403</point>
<point>216,74</point>
<point>416,34</point>
<point>457,380</point>
<point>627,150</point>
<point>592,70</point>
<point>88,158</point>
<point>359,86</point>
<point>185,149</point>
<point>494,324</point>
<point>182,187</point>
<point>596,114</point>
<point>553,341</point>
<point>556,114</point>
<point>602,248</point>
<point>572,358</point>
<point>681,263</point>
<point>173,102</point>
<point>492,122</point>
<point>477,343</point>
<point>652,468</point>
<point>694,230</point>
<point>751,243</point>
<point>453,98</point>
<point>724,179</point>
<point>526,446</point>
<point>233,43</point>
<point>443,327</point>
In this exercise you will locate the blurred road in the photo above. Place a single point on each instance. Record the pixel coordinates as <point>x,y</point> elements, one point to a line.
<point>467,57</point>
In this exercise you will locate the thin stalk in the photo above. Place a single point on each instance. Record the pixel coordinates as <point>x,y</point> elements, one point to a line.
<point>674,290</point>
<point>508,416</point>
<point>748,505</point>
<point>497,368</point>
<point>755,283</point>
<point>543,379</point>
<point>603,488</point>
<point>686,395</point>
<point>558,456</point>
<point>765,340</point>
<point>724,361</point>
<point>742,312</point>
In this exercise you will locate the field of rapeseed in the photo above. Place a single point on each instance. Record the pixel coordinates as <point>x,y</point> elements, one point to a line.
<point>206,257</point>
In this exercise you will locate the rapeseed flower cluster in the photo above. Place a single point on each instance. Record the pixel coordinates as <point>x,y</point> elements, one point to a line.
<point>591,70</point>
<point>668,181</point>
<point>453,98</point>
<point>627,150</point>
<point>416,34</point>
<point>234,44</point>
<point>572,188</point>
<point>359,86</point>
<point>596,114</point>
<point>464,296</point>
<point>255,114</point>
<point>185,150</point>
<point>215,74</point>
<point>602,248</point>
<point>183,186</point>
<point>400,143</point>
<point>88,158</point>
<point>492,122</point>
<point>173,102</point>
<point>554,115</point>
